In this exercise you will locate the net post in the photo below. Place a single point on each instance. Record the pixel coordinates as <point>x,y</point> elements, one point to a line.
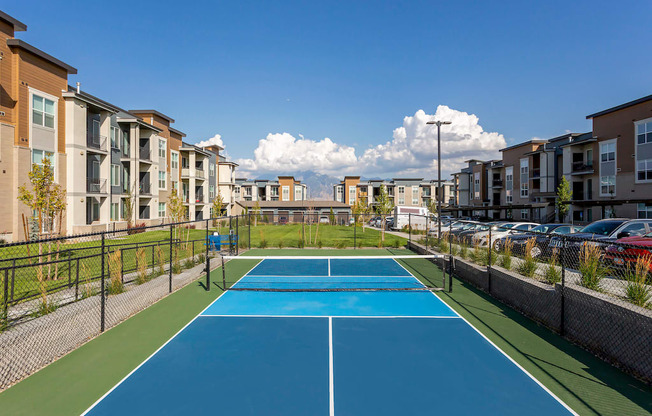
<point>427,219</point>
<point>237,235</point>
<point>208,260</point>
<point>489,259</point>
<point>562,315</point>
<point>230,235</point>
<point>102,288</point>
<point>223,276</point>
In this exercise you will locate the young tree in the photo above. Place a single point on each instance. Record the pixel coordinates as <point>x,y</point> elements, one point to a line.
<point>360,210</point>
<point>331,217</point>
<point>129,208</point>
<point>256,211</point>
<point>218,205</point>
<point>564,196</point>
<point>47,200</point>
<point>385,207</point>
<point>177,211</point>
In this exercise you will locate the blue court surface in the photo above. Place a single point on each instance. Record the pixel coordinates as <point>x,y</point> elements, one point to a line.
<point>338,353</point>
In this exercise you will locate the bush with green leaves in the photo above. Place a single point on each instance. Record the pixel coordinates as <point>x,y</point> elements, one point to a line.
<point>591,268</point>
<point>505,259</point>
<point>638,290</point>
<point>552,272</point>
<point>528,266</point>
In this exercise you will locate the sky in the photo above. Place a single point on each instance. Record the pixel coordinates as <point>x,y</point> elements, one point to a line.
<point>347,87</point>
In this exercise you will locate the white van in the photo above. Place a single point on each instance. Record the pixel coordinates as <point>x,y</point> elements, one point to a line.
<point>413,216</point>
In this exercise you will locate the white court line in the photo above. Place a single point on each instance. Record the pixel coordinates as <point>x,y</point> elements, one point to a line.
<point>332,316</point>
<point>159,349</point>
<point>331,389</point>
<point>329,267</point>
<point>503,352</point>
<point>311,276</point>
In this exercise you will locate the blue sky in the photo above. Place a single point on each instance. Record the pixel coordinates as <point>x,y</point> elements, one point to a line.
<point>351,71</point>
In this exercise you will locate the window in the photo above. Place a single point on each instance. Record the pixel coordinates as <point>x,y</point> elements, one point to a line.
<point>115,138</point>
<point>115,211</point>
<point>607,185</point>
<point>634,229</point>
<point>609,213</point>
<point>476,185</point>
<point>42,111</point>
<point>524,214</point>
<point>525,178</point>
<point>607,152</point>
<point>339,194</point>
<point>509,184</point>
<point>211,169</point>
<point>589,157</point>
<point>286,193</point>
<point>508,197</point>
<point>211,192</point>
<point>161,180</point>
<point>174,185</point>
<point>298,193</point>
<point>644,133</point>
<point>174,160</point>
<point>162,147</point>
<point>644,170</point>
<point>415,195</point>
<point>39,155</point>
<point>351,195</point>
<point>161,209</point>
<point>115,175</point>
<point>644,211</point>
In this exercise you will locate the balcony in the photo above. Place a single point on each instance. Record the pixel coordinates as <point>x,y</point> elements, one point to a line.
<point>145,188</point>
<point>145,154</point>
<point>497,183</point>
<point>581,168</point>
<point>95,186</point>
<point>536,173</point>
<point>96,142</point>
<point>199,174</point>
<point>199,198</point>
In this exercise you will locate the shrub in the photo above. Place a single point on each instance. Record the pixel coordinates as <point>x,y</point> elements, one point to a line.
<point>280,243</point>
<point>45,307</point>
<point>262,244</point>
<point>188,263</point>
<point>115,284</point>
<point>136,228</point>
<point>4,320</point>
<point>340,244</point>
<point>443,244</point>
<point>505,259</point>
<point>552,272</point>
<point>592,271</point>
<point>528,266</point>
<point>160,260</point>
<point>301,243</point>
<point>320,244</point>
<point>141,266</point>
<point>637,291</point>
<point>359,244</point>
<point>396,243</point>
<point>201,258</point>
<point>464,250</point>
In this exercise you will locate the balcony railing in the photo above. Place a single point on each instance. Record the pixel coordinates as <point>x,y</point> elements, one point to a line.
<point>145,188</point>
<point>199,173</point>
<point>145,153</point>
<point>582,167</point>
<point>96,141</point>
<point>199,198</point>
<point>497,183</point>
<point>536,173</point>
<point>95,186</point>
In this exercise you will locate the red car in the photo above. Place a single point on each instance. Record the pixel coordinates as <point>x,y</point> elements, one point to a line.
<point>628,250</point>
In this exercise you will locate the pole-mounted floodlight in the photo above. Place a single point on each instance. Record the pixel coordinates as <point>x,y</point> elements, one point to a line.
<point>439,186</point>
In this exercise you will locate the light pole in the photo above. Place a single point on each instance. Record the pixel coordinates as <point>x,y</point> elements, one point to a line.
<point>439,187</point>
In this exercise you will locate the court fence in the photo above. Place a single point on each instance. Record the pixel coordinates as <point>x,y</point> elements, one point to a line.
<point>57,293</point>
<point>596,292</point>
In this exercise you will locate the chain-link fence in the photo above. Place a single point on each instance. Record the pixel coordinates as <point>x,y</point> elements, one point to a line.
<point>57,293</point>
<point>595,289</point>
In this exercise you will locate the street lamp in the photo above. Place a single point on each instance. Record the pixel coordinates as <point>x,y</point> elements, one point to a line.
<point>439,187</point>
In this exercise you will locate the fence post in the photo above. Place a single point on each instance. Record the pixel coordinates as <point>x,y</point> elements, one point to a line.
<point>208,261</point>
<point>102,288</point>
<point>562,329</point>
<point>69,267</point>
<point>170,271</point>
<point>223,276</point>
<point>426,235</point>
<point>489,261</point>
<point>77,281</point>
<point>237,234</point>
<point>409,227</point>
<point>355,231</point>
<point>249,245</point>
<point>230,235</point>
<point>450,262</point>
<point>13,280</point>
<point>5,291</point>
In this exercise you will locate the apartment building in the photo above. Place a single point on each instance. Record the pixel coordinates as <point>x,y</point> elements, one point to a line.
<point>402,191</point>
<point>32,121</point>
<point>227,184</point>
<point>285,188</point>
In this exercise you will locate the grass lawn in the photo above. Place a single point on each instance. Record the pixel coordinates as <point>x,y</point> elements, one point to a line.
<point>71,384</point>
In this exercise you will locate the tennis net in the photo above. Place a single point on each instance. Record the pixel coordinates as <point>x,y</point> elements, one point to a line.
<point>334,273</point>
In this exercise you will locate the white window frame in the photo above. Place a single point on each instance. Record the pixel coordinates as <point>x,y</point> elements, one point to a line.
<point>211,192</point>
<point>509,179</point>
<point>352,194</point>
<point>298,193</point>
<point>608,147</point>
<point>163,213</point>
<point>645,131</point>
<point>525,214</point>
<point>162,150</point>
<point>114,133</point>
<point>44,155</point>
<point>524,173</point>
<point>162,180</point>
<point>43,113</point>
<point>174,159</point>
<point>643,211</point>
<point>211,169</point>
<point>415,195</point>
<point>476,185</point>
<point>646,165</point>
<point>339,194</point>
<point>116,171</point>
<point>606,182</point>
<point>115,217</point>
<point>285,193</point>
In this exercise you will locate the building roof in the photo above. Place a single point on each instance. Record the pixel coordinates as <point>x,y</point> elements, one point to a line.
<point>192,148</point>
<point>154,112</point>
<point>620,107</point>
<point>294,204</point>
<point>533,141</point>
<point>91,99</point>
<point>17,24</point>
<point>18,43</point>
<point>179,132</point>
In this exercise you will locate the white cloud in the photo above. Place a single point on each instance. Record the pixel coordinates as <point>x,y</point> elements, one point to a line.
<point>215,140</point>
<point>411,151</point>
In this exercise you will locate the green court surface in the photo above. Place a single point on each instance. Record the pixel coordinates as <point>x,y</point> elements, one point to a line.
<point>70,385</point>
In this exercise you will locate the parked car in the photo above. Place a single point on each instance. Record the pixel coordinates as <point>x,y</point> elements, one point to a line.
<point>324,220</point>
<point>282,219</point>
<point>468,226</point>
<point>598,233</point>
<point>500,230</point>
<point>541,235</point>
<point>627,251</point>
<point>446,226</point>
